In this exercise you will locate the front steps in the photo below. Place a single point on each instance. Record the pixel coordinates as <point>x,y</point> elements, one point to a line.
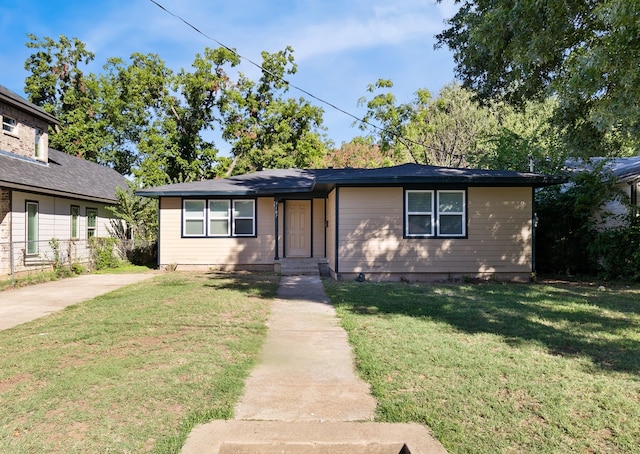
<point>302,266</point>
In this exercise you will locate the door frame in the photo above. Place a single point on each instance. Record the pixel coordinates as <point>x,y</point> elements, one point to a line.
<point>285,246</point>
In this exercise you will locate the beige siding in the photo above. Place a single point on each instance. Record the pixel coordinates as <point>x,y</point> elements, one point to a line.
<point>331,230</point>
<point>371,235</point>
<point>280,229</point>
<point>175,250</point>
<point>318,227</point>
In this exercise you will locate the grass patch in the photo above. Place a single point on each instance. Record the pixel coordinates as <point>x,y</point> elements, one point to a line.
<point>38,277</point>
<point>501,368</point>
<point>29,279</point>
<point>133,370</point>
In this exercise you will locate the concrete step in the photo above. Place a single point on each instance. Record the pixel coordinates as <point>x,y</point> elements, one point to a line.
<point>293,266</point>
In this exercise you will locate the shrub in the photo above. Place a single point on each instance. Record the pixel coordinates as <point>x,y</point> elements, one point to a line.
<point>144,254</point>
<point>103,254</point>
<point>571,239</point>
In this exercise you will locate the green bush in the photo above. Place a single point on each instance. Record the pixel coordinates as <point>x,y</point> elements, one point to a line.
<point>571,240</point>
<point>103,253</point>
<point>617,252</point>
<point>144,254</point>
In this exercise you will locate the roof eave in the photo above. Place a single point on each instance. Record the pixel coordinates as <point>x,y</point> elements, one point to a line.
<point>47,191</point>
<point>18,103</point>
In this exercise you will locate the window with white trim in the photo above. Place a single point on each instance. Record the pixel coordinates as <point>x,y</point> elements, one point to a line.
<point>9,125</point>
<point>435,213</point>
<point>38,142</point>
<point>193,218</point>
<point>218,217</point>
<point>32,227</point>
<point>419,213</point>
<point>92,222</point>
<point>243,217</point>
<point>75,222</point>
<point>451,210</point>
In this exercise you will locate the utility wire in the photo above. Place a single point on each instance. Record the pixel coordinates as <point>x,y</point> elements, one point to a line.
<point>259,66</point>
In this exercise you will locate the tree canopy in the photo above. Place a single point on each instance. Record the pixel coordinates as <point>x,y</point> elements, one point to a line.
<point>584,53</point>
<point>143,119</point>
<point>445,131</point>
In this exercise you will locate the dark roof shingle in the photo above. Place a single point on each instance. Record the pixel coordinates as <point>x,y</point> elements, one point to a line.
<point>64,175</point>
<point>283,181</point>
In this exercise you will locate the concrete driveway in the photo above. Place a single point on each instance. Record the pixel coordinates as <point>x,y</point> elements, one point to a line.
<point>24,304</point>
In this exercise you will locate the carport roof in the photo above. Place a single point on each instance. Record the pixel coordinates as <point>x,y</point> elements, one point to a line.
<point>301,181</point>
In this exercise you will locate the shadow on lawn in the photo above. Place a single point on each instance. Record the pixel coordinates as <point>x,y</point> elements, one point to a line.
<point>262,285</point>
<point>567,321</point>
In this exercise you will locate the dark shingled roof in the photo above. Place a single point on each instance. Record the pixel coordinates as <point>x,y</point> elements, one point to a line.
<point>19,102</point>
<point>63,175</point>
<point>288,181</point>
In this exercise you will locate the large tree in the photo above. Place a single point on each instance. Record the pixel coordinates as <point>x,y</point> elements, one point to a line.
<point>265,129</point>
<point>360,152</point>
<point>525,139</point>
<point>584,52</point>
<point>445,131</point>
<point>141,118</point>
<point>60,86</point>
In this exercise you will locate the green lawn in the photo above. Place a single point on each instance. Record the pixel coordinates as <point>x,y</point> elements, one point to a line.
<point>134,370</point>
<point>501,368</point>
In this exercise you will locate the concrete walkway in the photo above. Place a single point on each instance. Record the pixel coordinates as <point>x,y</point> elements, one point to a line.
<point>305,396</point>
<point>24,304</point>
<point>306,372</point>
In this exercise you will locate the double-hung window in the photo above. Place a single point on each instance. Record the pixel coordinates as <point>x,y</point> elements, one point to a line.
<point>435,213</point>
<point>419,213</point>
<point>92,222</point>
<point>218,218</point>
<point>9,125</point>
<point>243,217</point>
<point>193,218</point>
<point>451,210</point>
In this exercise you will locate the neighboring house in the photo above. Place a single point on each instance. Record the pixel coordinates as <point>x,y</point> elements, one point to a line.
<point>626,172</point>
<point>44,193</point>
<point>409,222</point>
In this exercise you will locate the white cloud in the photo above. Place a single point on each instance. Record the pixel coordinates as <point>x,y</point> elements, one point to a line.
<point>377,25</point>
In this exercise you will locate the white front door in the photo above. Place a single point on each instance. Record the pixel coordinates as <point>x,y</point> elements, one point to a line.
<point>298,228</point>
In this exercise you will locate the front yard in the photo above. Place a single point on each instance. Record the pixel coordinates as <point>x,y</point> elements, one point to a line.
<point>501,368</point>
<point>489,368</point>
<point>132,371</point>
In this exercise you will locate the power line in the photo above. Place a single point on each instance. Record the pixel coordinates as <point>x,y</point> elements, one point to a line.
<point>259,66</point>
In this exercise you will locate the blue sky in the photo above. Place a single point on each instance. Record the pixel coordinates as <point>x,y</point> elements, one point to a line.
<point>340,46</point>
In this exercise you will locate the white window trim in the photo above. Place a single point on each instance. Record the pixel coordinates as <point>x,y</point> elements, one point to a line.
<point>192,217</point>
<point>75,224</point>
<point>435,214</point>
<point>9,128</point>
<point>253,218</point>
<point>227,218</point>
<point>38,142</point>
<point>89,228</point>
<point>35,241</point>
<point>206,216</point>
<point>452,213</point>
<point>419,213</point>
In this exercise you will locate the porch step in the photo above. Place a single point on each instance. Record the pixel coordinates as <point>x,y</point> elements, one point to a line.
<point>298,266</point>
